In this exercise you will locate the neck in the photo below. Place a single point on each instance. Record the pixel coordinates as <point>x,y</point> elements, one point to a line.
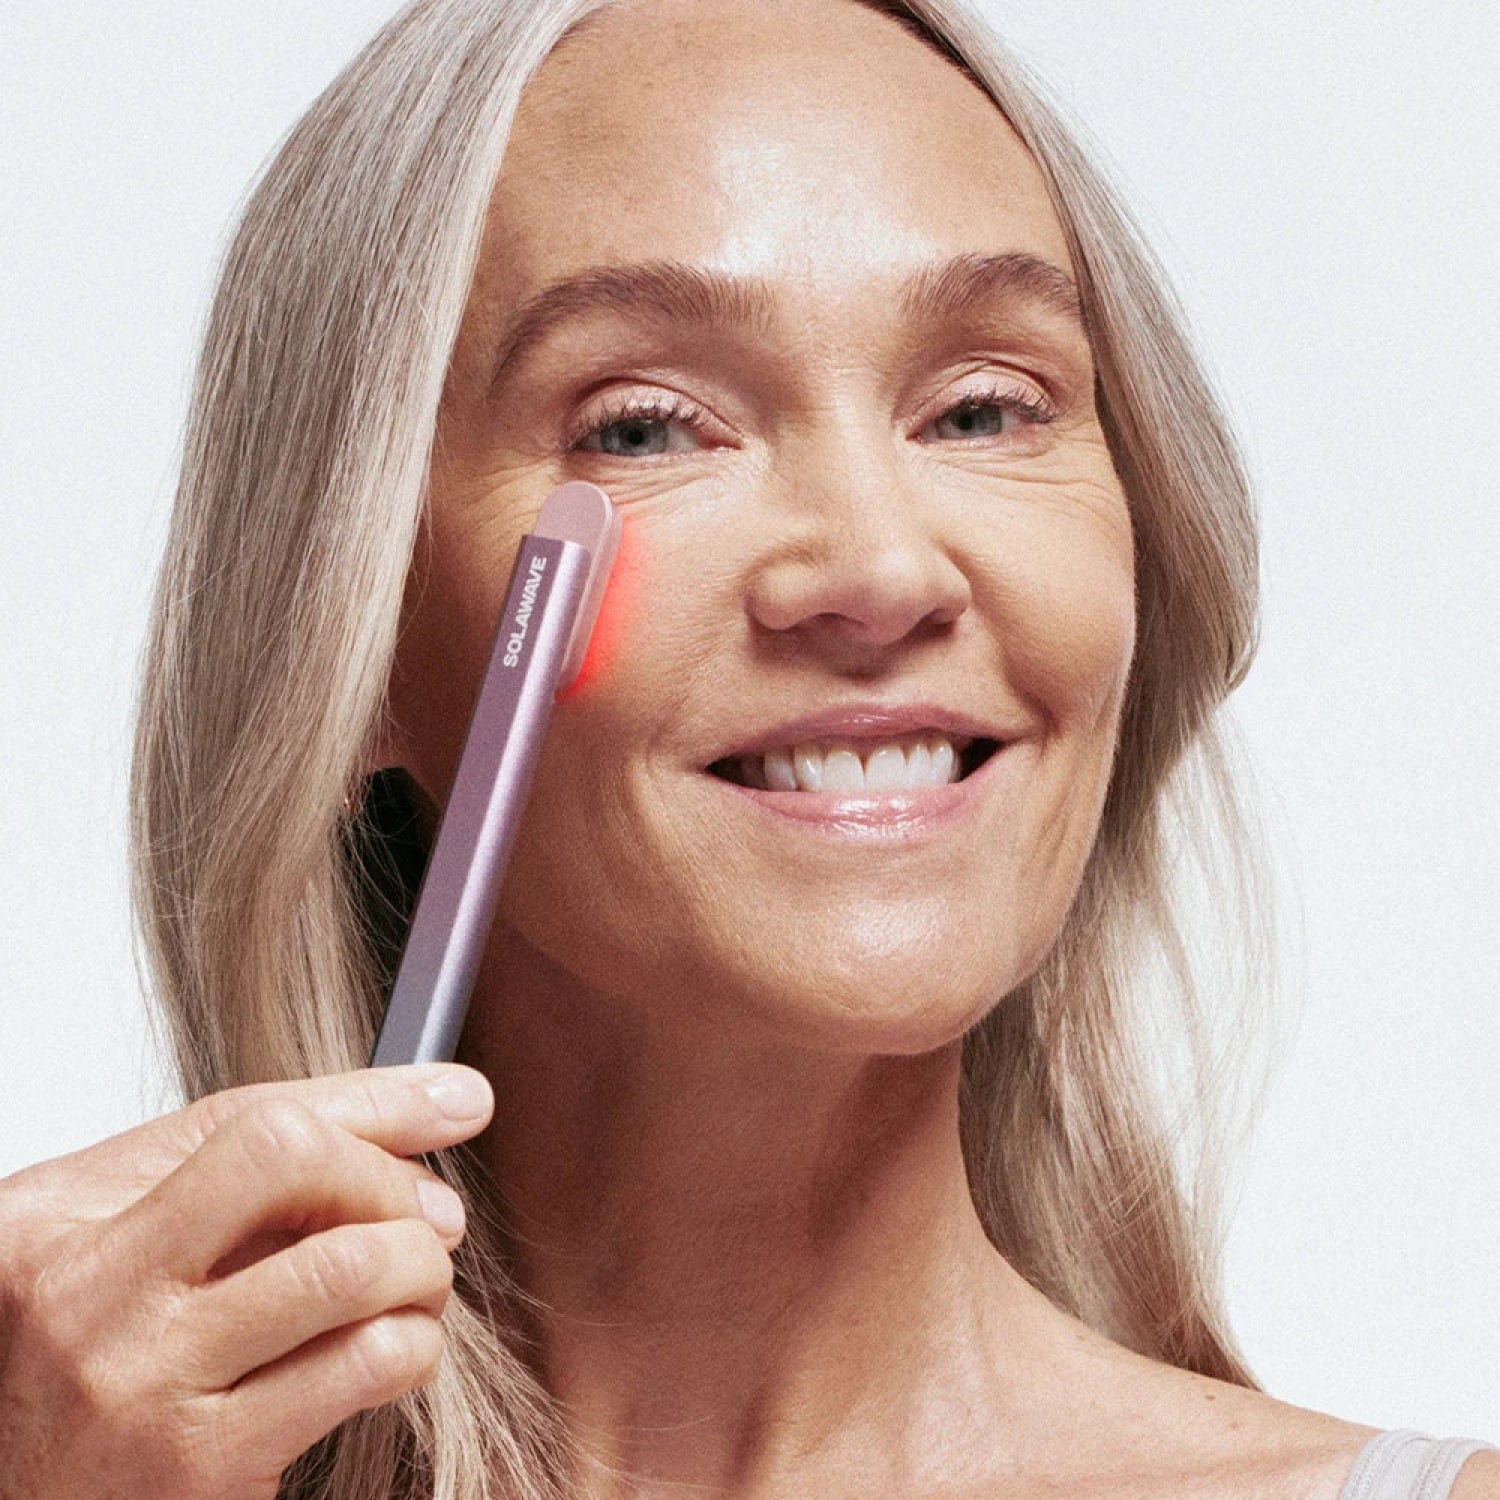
<point>757,1264</point>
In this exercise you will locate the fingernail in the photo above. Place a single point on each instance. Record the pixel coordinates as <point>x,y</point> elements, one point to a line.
<point>441,1207</point>
<point>460,1095</point>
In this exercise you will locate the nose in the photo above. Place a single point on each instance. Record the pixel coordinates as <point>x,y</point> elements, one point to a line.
<point>860,559</point>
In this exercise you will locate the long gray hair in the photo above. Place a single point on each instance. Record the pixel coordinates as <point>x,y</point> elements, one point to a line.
<point>260,871</point>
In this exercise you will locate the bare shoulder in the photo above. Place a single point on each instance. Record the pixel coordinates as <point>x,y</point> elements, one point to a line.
<point>1478,1477</point>
<point>1149,1429</point>
<point>1230,1442</point>
<point>1308,1455</point>
<point>1284,1452</point>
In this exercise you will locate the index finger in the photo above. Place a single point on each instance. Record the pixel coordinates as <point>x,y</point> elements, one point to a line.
<point>406,1110</point>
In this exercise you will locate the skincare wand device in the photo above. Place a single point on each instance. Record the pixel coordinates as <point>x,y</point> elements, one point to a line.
<point>550,607</point>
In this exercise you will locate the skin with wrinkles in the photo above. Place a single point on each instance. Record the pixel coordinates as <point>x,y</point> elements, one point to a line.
<point>726,1052</point>
<point>804,546</point>
<point>188,1305</point>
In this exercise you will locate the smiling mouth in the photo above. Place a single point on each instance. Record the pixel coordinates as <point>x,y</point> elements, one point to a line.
<point>901,764</point>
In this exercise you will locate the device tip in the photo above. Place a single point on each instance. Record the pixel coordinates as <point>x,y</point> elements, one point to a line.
<point>576,512</point>
<point>581,512</point>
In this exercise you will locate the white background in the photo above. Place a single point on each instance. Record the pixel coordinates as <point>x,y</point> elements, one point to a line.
<point>1319,178</point>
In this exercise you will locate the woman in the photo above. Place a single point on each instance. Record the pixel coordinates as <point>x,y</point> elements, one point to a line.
<point>821,1157</point>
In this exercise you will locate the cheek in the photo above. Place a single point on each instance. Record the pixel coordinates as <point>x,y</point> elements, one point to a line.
<point>1065,637</point>
<point>655,607</point>
<point>608,877</point>
<point>1067,589</point>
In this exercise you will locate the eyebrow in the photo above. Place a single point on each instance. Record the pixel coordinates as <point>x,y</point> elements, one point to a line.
<point>673,292</point>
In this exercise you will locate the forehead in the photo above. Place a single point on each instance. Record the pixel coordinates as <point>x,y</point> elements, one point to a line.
<point>814,143</point>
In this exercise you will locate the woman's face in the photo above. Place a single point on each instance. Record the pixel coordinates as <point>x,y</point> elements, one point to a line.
<point>868,470</point>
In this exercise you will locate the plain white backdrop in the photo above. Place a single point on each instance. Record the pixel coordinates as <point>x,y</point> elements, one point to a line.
<point>1320,180</point>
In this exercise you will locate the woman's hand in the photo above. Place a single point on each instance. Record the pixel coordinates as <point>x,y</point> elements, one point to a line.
<point>186,1307</point>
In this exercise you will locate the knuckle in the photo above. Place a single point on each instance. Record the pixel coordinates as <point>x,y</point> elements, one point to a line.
<point>59,1296</point>
<point>25,1279</point>
<point>102,1389</point>
<point>213,1112</point>
<point>338,1267</point>
<point>375,1098</point>
<point>109,1357</point>
<point>30,1229</point>
<point>207,1115</point>
<point>275,1131</point>
<point>19,1194</point>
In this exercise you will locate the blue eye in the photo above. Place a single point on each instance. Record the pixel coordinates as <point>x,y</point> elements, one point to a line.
<point>995,412</point>
<point>641,428</point>
<point>979,419</point>
<point>636,428</point>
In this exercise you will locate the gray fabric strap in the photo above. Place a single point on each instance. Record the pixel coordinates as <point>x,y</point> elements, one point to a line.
<point>1405,1464</point>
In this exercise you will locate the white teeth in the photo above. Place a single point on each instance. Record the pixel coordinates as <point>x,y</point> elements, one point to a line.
<point>919,758</point>
<point>886,767</point>
<point>808,761</point>
<point>926,761</point>
<point>944,762</point>
<point>843,771</point>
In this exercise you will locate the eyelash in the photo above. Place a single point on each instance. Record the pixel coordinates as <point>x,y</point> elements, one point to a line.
<point>678,409</point>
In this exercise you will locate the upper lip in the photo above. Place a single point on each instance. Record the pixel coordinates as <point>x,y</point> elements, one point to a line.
<point>867,721</point>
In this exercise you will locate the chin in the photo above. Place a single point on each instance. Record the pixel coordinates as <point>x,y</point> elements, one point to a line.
<point>901,1004</point>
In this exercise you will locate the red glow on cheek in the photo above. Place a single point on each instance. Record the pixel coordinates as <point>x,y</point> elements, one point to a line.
<point>616,609</point>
